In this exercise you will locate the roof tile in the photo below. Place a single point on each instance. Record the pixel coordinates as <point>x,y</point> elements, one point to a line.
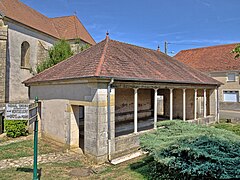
<point>123,61</point>
<point>210,59</point>
<point>62,28</point>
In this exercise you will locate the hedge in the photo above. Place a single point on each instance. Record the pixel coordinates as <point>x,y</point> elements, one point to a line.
<point>187,151</point>
<point>16,128</point>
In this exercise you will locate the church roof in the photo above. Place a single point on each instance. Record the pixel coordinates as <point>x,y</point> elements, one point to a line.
<point>68,27</point>
<point>122,61</point>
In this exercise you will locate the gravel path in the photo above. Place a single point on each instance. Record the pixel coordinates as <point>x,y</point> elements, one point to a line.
<point>45,158</point>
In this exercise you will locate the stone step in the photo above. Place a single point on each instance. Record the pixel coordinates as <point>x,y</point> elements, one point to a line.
<point>127,157</point>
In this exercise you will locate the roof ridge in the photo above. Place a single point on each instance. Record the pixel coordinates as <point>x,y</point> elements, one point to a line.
<point>208,47</point>
<point>99,67</point>
<point>85,28</point>
<point>140,47</point>
<point>61,17</point>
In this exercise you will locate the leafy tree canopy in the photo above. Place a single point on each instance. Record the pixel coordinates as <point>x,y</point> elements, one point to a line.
<point>59,52</point>
<point>237,51</point>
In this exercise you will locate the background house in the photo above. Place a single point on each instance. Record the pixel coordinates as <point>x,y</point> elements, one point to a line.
<point>219,63</point>
<point>103,98</point>
<point>25,37</point>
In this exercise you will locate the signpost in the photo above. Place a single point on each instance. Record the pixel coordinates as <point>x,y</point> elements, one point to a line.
<point>17,111</point>
<point>30,113</point>
<point>33,114</point>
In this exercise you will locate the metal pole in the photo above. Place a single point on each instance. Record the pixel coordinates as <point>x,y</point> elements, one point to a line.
<point>165,47</point>
<point>35,169</point>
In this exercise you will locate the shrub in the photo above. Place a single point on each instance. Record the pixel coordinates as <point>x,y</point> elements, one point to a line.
<point>16,128</point>
<point>59,52</point>
<point>188,151</point>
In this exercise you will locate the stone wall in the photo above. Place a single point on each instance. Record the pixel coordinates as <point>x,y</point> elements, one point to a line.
<point>233,106</point>
<point>226,86</point>
<point>60,121</point>
<point>42,53</point>
<point>3,58</point>
<point>17,92</point>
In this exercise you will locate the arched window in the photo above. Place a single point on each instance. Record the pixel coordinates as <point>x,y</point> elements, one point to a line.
<point>25,54</point>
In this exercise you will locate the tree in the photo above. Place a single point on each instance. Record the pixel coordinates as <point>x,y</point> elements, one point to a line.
<point>59,52</point>
<point>237,51</point>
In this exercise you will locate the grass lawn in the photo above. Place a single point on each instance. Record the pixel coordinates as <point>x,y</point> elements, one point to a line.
<point>52,171</point>
<point>169,133</point>
<point>25,148</point>
<point>229,126</point>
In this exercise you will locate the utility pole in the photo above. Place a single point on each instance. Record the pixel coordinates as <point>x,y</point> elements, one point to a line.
<point>166,47</point>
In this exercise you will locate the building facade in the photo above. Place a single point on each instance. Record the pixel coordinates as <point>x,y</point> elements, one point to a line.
<point>111,97</point>
<point>220,63</point>
<point>25,37</point>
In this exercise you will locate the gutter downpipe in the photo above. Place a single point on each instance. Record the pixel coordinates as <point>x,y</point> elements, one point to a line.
<point>109,117</point>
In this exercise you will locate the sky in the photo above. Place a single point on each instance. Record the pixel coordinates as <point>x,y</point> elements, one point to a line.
<point>184,24</point>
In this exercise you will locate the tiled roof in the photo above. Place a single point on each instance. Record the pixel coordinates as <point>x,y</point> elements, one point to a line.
<point>70,27</point>
<point>113,59</point>
<point>210,59</point>
<point>17,11</point>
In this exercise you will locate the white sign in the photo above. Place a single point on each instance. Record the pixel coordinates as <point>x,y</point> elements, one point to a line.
<point>17,112</point>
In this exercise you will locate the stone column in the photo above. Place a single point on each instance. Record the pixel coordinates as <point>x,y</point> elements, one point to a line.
<point>96,124</point>
<point>216,105</point>
<point>205,103</point>
<point>135,110</point>
<point>195,104</point>
<point>171,104</point>
<point>3,59</point>
<point>184,104</point>
<point>155,108</point>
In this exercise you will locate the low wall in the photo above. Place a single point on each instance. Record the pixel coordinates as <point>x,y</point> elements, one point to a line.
<point>127,143</point>
<point>207,120</point>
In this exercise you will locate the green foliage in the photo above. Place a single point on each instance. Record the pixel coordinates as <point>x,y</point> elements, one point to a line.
<point>16,128</point>
<point>229,126</point>
<point>237,51</point>
<point>188,151</point>
<point>59,52</point>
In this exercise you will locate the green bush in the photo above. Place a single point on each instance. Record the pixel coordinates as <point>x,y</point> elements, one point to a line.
<point>59,52</point>
<point>187,151</point>
<point>16,128</point>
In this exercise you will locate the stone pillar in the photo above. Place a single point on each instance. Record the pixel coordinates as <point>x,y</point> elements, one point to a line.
<point>217,102</point>
<point>195,104</point>
<point>171,104</point>
<point>3,59</point>
<point>184,104</point>
<point>96,125</point>
<point>205,103</point>
<point>135,110</point>
<point>155,108</point>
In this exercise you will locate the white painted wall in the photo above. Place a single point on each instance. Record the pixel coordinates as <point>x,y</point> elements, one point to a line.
<point>18,34</point>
